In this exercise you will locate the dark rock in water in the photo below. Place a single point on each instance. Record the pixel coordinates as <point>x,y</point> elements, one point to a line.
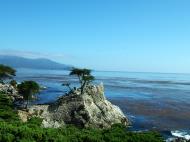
<point>180,136</point>
<point>177,140</point>
<point>91,109</point>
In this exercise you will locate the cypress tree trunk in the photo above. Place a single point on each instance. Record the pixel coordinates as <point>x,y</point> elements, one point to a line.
<point>26,107</point>
<point>83,87</point>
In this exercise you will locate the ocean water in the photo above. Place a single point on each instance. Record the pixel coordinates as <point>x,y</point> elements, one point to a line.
<point>152,101</point>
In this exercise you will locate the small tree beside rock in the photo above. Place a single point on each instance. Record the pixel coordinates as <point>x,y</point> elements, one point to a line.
<point>6,72</point>
<point>13,83</point>
<point>28,89</point>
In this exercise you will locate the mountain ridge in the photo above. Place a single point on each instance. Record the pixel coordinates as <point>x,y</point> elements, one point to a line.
<point>38,63</point>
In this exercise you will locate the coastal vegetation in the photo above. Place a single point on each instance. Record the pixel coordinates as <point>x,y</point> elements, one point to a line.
<point>6,72</point>
<point>13,83</point>
<point>28,89</point>
<point>12,129</point>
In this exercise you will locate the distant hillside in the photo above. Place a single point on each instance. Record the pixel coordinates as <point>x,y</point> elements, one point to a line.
<point>20,62</point>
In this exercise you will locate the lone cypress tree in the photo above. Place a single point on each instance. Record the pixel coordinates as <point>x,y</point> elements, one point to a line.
<point>6,72</point>
<point>28,89</point>
<point>84,76</point>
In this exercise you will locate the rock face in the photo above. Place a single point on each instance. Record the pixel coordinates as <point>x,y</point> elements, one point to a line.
<point>91,109</point>
<point>10,91</point>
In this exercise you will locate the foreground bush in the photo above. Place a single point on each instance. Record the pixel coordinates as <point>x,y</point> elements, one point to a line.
<point>29,133</point>
<point>7,112</point>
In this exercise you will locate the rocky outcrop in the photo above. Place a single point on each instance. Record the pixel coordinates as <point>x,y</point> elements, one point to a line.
<point>91,109</point>
<point>10,91</point>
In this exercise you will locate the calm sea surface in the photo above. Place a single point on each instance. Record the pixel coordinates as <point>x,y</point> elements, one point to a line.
<point>151,100</point>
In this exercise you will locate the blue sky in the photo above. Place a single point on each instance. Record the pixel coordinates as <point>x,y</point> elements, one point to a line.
<point>122,35</point>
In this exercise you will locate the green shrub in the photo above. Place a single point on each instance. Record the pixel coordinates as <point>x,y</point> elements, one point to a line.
<point>23,132</point>
<point>7,112</point>
<point>7,137</point>
<point>35,121</point>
